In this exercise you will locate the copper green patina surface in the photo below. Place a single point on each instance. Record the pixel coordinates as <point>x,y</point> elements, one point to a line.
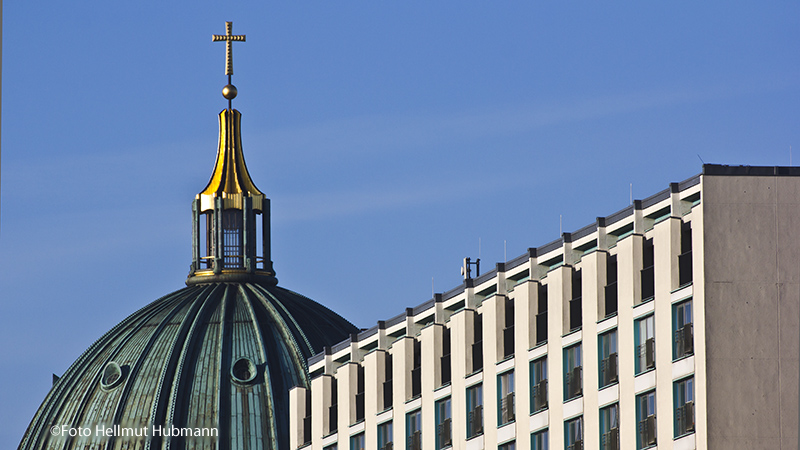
<point>217,356</point>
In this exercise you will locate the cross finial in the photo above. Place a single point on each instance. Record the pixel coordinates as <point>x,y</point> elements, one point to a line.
<point>228,37</point>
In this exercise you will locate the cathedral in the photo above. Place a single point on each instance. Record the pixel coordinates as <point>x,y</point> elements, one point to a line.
<point>208,366</point>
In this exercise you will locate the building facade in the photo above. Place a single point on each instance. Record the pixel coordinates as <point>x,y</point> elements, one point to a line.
<point>671,324</point>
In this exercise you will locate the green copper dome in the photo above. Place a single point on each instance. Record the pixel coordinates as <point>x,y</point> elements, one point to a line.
<point>219,357</point>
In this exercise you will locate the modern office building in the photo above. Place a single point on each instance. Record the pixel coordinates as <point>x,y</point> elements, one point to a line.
<point>671,324</point>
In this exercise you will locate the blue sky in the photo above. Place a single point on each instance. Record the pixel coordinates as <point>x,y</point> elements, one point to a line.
<point>391,136</point>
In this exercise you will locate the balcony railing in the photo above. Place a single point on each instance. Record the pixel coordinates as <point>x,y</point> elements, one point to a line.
<point>610,440</point>
<point>608,370</point>
<point>415,441</point>
<point>507,408</point>
<point>444,433</point>
<point>574,383</point>
<point>685,268</point>
<point>577,445</point>
<point>684,418</point>
<point>539,394</point>
<point>647,354</point>
<point>684,341</point>
<point>647,431</point>
<point>475,422</point>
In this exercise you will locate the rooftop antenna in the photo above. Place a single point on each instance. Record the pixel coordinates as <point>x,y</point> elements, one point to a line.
<point>560,224</point>
<point>701,159</point>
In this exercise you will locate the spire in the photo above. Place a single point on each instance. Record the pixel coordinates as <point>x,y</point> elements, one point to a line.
<point>227,244</point>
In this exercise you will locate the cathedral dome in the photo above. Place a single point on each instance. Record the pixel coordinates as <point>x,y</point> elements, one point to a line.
<point>208,366</point>
<point>216,358</point>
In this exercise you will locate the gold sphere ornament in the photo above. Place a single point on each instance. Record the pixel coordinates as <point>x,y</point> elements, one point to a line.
<point>229,92</point>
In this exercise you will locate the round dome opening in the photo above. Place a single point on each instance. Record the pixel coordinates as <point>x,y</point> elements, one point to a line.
<point>112,376</point>
<point>243,370</point>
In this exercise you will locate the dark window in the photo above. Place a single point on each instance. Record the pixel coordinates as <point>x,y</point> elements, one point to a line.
<point>387,385</point>
<point>611,285</point>
<point>541,317</point>
<point>414,430</point>
<point>359,393</point>
<point>648,274</point>
<point>307,419</point>
<point>333,416</point>
<point>508,330</point>
<point>540,440</point>
<point>416,371</point>
<point>645,344</point>
<point>445,360</point>
<point>385,436</point>
<point>685,258</point>
<point>575,319</point>
<point>477,346</point>
<point>358,442</point>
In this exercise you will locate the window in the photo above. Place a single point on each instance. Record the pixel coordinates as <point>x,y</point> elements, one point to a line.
<point>645,344</point>
<point>539,384</point>
<point>359,393</point>
<point>575,310</point>
<point>607,352</point>
<point>573,379</point>
<point>505,400</point>
<point>477,346</point>
<point>540,440</point>
<point>385,436</point>
<point>307,420</point>
<point>508,331</point>
<point>231,238</point>
<point>682,330</point>
<point>648,273</point>
<point>611,285</point>
<point>333,410</point>
<point>416,371</point>
<point>414,430</point>
<point>685,258</point>
<point>646,420</point>
<point>541,316</point>
<point>357,442</point>
<point>573,434</point>
<point>609,428</point>
<point>445,360</point>
<point>507,446</point>
<point>474,410</point>
<point>683,399</point>
<point>387,384</point>
<point>331,447</point>
<point>444,424</point>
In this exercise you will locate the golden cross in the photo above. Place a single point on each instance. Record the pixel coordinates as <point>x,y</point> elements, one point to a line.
<point>228,38</point>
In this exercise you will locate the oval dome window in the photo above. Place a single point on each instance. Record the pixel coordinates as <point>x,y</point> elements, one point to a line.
<point>243,370</point>
<point>112,376</point>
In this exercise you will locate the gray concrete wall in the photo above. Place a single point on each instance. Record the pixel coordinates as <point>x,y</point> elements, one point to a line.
<point>752,299</point>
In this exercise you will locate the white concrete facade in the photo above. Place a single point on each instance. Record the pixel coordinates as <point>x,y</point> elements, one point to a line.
<point>651,393</point>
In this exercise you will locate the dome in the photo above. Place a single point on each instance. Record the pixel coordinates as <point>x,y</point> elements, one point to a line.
<point>216,357</point>
<point>208,366</point>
